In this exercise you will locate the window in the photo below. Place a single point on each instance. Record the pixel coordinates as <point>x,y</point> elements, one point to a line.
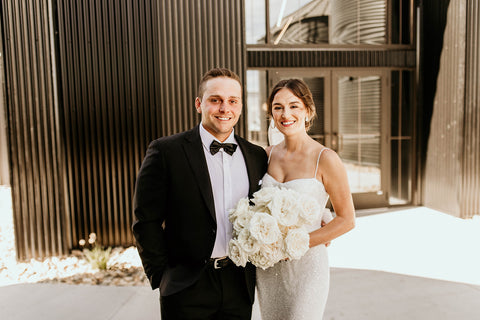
<point>257,107</point>
<point>336,22</point>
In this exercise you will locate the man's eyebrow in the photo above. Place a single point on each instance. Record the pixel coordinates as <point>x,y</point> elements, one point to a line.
<point>219,96</point>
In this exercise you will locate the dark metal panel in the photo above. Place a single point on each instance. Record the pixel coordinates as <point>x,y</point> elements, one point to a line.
<point>261,58</point>
<point>443,176</point>
<point>470,190</point>
<point>127,73</point>
<point>33,146</point>
<point>4,166</point>
<point>131,70</point>
<point>110,95</point>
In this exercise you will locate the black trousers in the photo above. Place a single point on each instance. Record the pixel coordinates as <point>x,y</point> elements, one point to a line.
<point>218,294</point>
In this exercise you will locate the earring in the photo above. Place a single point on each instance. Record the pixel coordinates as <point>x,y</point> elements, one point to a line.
<point>306,119</point>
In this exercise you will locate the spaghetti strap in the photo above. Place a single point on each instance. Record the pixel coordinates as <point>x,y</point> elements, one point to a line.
<point>318,159</point>
<point>270,155</point>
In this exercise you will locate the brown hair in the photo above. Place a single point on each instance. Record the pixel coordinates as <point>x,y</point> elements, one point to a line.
<point>300,89</point>
<point>215,73</point>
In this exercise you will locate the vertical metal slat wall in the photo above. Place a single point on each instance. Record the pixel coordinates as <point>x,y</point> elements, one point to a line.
<point>443,166</point>
<point>127,73</point>
<point>32,129</point>
<point>452,175</point>
<point>470,204</point>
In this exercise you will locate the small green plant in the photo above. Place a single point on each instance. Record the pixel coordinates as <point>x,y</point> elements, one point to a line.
<point>95,254</point>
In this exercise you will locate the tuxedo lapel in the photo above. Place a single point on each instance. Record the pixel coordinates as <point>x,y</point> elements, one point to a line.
<point>196,157</point>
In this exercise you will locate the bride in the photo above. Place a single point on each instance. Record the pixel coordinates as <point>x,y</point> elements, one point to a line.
<point>298,289</point>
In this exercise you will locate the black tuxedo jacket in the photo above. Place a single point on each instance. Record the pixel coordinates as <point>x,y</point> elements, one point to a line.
<point>175,222</point>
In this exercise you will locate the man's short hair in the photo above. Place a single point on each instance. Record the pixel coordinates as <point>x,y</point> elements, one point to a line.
<point>215,73</point>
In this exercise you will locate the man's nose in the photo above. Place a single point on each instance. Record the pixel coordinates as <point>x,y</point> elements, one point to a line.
<point>223,106</point>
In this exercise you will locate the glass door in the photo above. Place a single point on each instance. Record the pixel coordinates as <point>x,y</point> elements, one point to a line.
<point>359,133</point>
<point>352,119</point>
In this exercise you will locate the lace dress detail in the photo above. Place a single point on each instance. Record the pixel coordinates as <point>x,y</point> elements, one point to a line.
<point>296,289</point>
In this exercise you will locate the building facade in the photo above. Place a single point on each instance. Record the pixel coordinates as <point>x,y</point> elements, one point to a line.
<point>88,84</point>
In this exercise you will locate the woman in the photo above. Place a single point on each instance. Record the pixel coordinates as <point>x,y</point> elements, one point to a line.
<point>298,289</point>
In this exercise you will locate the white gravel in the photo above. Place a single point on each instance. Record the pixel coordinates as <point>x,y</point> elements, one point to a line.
<point>124,266</point>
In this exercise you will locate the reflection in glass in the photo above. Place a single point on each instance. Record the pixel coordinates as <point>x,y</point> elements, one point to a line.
<point>358,22</point>
<point>359,102</point>
<point>299,21</point>
<point>257,107</point>
<point>317,21</point>
<point>255,21</point>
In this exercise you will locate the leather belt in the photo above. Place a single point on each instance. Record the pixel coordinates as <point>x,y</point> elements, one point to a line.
<point>219,263</point>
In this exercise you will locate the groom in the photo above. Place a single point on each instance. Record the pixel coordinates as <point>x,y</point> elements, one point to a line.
<point>185,187</point>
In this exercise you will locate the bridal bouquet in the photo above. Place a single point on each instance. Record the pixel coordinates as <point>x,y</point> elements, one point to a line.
<point>273,229</point>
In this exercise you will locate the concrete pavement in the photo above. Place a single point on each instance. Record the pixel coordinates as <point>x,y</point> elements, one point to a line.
<point>412,263</point>
<point>354,294</point>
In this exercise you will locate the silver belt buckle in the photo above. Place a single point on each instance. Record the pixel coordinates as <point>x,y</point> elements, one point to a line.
<point>215,265</point>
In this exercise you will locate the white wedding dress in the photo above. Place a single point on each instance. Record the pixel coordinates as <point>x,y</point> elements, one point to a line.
<point>296,289</point>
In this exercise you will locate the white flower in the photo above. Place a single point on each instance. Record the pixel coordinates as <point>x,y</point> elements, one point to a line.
<point>264,228</point>
<point>296,243</point>
<point>267,256</point>
<point>311,210</point>
<point>285,207</point>
<point>262,197</point>
<point>242,221</point>
<point>273,228</point>
<point>248,243</point>
<point>243,206</point>
<point>236,253</point>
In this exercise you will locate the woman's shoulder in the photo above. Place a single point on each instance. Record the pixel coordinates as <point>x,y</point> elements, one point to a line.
<point>270,148</point>
<point>329,161</point>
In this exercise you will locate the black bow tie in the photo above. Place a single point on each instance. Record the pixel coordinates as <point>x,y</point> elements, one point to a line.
<point>227,147</point>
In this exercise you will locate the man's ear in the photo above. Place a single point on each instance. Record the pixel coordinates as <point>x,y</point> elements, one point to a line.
<point>198,102</point>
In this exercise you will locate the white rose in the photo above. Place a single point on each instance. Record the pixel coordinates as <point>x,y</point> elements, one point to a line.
<point>248,243</point>
<point>242,206</point>
<point>264,228</point>
<point>296,243</point>
<point>285,207</point>
<point>236,253</point>
<point>267,256</point>
<point>242,221</point>
<point>264,196</point>
<point>311,210</point>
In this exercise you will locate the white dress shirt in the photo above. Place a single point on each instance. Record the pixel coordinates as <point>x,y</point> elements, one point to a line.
<point>229,178</point>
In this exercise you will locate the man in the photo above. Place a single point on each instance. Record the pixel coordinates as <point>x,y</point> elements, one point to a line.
<point>184,190</point>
